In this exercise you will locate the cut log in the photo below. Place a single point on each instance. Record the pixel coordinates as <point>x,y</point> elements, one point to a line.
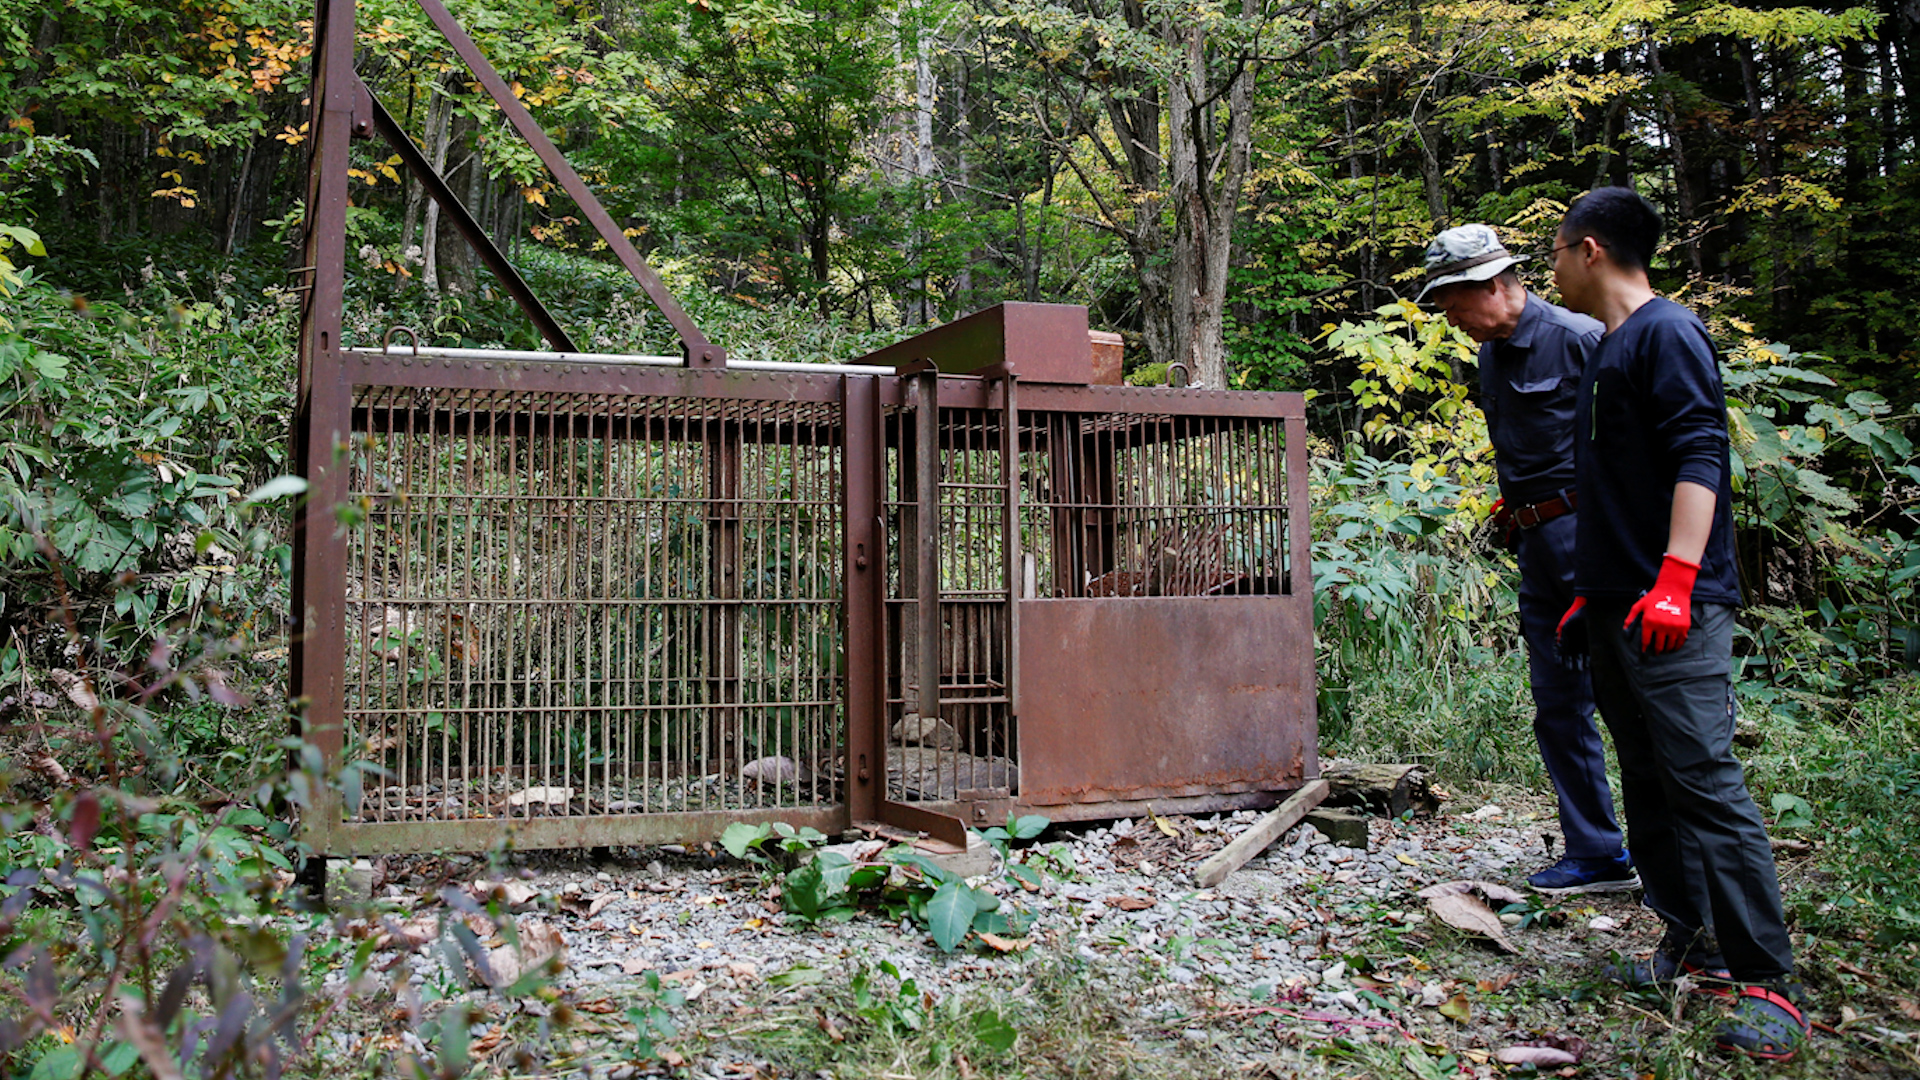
<point>1390,790</point>
<point>1264,832</point>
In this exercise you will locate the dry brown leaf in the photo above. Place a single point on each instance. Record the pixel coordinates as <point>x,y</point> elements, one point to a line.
<point>1907,1008</point>
<point>511,893</point>
<point>1129,903</point>
<point>75,688</point>
<point>539,944</point>
<point>599,1005</point>
<point>541,796</point>
<point>1537,1056</point>
<point>487,1043</point>
<point>633,965</point>
<point>1464,911</point>
<point>44,764</point>
<point>1456,1009</point>
<point>409,935</point>
<point>1000,944</point>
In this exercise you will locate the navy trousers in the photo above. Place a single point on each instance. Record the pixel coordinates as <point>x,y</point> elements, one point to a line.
<point>1698,839</point>
<point>1570,745</point>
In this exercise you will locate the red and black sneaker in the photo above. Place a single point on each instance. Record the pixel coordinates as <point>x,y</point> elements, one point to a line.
<point>1764,1025</point>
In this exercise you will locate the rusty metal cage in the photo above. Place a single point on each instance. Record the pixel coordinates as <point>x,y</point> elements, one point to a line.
<point>564,599</point>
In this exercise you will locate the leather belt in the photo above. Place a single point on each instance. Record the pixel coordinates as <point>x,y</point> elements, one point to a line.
<point>1534,515</point>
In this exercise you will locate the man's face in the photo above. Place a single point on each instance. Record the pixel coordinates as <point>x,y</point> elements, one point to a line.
<point>1573,271</point>
<point>1478,308</point>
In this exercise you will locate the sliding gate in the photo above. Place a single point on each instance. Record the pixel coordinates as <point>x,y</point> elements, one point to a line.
<point>563,599</point>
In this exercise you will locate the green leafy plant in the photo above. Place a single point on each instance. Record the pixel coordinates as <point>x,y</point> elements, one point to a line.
<point>772,844</point>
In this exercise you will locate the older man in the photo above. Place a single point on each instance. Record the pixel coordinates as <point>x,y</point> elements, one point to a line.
<point>1531,357</point>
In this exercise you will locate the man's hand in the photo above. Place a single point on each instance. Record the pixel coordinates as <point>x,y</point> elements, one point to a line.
<point>1666,610</point>
<point>1504,527</point>
<point>1570,637</point>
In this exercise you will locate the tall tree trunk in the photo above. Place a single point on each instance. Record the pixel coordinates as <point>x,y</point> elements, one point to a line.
<point>439,114</point>
<point>1682,176</point>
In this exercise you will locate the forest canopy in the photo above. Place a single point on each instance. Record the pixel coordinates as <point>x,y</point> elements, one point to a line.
<point>1218,180</point>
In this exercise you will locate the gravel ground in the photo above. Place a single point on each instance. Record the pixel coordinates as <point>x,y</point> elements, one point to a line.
<point>1277,939</point>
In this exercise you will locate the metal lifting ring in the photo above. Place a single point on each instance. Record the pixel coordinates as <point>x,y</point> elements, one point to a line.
<point>1186,373</point>
<point>386,343</point>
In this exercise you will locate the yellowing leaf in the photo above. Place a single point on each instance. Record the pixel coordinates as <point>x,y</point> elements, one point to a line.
<point>1456,1009</point>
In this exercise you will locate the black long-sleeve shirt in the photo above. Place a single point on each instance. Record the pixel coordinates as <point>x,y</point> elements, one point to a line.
<point>1529,381</point>
<point>1652,413</point>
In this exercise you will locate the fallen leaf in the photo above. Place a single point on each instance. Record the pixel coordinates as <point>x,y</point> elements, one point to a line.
<point>409,935</point>
<point>741,969</point>
<point>1478,1057</point>
<point>680,976</point>
<point>1164,825</point>
<point>44,764</point>
<point>545,796</point>
<point>513,894</point>
<point>598,1005</point>
<point>539,944</point>
<point>1456,1009</point>
<point>1848,1015</point>
<point>827,1028</point>
<point>1000,944</point>
<point>75,688</point>
<point>1467,912</point>
<point>1129,903</point>
<point>1406,859</point>
<point>1603,923</point>
<point>1907,1008</point>
<point>1490,890</point>
<point>633,965</point>
<point>1537,1056</point>
<point>487,1043</point>
<point>672,1058</point>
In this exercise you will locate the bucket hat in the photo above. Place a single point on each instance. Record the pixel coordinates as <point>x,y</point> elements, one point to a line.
<point>1465,253</point>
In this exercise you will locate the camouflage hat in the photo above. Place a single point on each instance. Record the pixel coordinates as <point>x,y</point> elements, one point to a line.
<point>1465,253</point>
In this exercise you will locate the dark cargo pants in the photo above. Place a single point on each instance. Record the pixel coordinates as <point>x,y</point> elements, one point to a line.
<point>1570,745</point>
<point>1697,837</point>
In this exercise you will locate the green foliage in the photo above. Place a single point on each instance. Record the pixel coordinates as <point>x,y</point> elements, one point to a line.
<point>774,844</point>
<point>1825,479</point>
<point>1017,829</point>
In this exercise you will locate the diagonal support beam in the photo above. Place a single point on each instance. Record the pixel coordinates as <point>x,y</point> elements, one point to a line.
<point>699,351</point>
<point>436,185</point>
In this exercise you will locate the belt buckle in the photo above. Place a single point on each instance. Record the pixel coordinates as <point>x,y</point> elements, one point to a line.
<point>1522,515</point>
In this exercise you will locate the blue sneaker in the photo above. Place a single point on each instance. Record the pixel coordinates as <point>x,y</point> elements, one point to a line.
<point>1571,875</point>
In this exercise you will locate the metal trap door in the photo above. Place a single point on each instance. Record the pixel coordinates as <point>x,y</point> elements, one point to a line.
<point>952,678</point>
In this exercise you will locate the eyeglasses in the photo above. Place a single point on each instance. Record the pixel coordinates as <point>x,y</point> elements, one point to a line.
<point>1549,254</point>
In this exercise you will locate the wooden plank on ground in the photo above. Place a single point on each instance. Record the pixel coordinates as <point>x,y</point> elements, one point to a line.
<point>1264,832</point>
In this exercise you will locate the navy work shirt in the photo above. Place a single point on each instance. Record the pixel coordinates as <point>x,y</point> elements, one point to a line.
<point>1652,413</point>
<point>1528,385</point>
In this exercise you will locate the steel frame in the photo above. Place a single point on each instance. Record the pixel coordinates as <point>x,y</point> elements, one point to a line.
<point>986,496</point>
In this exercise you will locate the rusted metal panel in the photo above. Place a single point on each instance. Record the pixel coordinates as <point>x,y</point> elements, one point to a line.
<point>399,368</point>
<point>1165,697</point>
<point>1109,357</point>
<point>395,838</point>
<point>1040,342</point>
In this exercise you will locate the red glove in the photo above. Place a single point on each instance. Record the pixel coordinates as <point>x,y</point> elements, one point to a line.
<point>1503,523</point>
<point>1666,610</point>
<point>1570,637</point>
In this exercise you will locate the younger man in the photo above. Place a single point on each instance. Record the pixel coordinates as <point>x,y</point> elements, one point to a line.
<point>1656,589</point>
